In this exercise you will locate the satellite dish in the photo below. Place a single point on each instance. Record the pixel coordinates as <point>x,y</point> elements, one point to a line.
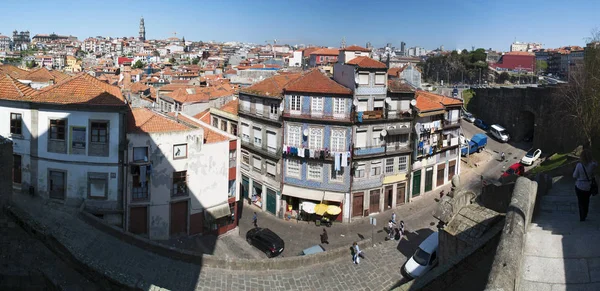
<point>413,102</point>
<point>356,80</point>
<point>305,132</point>
<point>384,133</point>
<point>355,102</point>
<point>388,100</point>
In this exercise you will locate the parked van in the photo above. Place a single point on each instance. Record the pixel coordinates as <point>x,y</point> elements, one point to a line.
<point>424,259</point>
<point>499,132</point>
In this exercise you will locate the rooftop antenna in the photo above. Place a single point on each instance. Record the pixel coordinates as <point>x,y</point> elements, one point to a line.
<point>344,42</point>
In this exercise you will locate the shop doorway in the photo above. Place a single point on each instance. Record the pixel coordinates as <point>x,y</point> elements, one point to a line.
<point>245,187</point>
<point>428,179</point>
<point>138,220</point>
<point>374,201</point>
<point>389,196</point>
<point>440,174</point>
<point>400,193</point>
<point>179,217</point>
<point>57,184</point>
<point>416,183</point>
<point>257,195</point>
<point>358,200</point>
<point>271,201</point>
<point>451,169</point>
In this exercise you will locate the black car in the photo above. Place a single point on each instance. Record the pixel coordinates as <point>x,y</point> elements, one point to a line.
<point>266,241</point>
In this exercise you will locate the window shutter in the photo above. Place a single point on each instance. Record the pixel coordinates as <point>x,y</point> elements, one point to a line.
<point>363,79</point>
<point>362,106</point>
<point>257,132</point>
<point>271,168</point>
<point>256,162</point>
<point>271,139</point>
<point>259,107</point>
<point>361,138</point>
<point>378,104</point>
<point>245,129</point>
<point>379,79</point>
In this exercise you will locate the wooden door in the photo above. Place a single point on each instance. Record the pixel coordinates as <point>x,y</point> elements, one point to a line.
<point>388,196</point>
<point>451,169</point>
<point>57,184</point>
<point>357,204</point>
<point>179,217</point>
<point>271,201</point>
<point>374,201</point>
<point>400,193</point>
<point>17,169</point>
<point>440,174</point>
<point>428,179</point>
<point>416,183</point>
<point>138,220</point>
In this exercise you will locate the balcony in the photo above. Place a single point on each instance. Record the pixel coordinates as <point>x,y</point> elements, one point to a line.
<point>368,115</point>
<point>264,150</point>
<point>264,115</point>
<point>368,150</point>
<point>324,117</point>
<point>399,114</point>
<point>451,124</point>
<point>398,148</point>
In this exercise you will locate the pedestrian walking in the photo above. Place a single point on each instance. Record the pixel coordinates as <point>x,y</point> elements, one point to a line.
<point>502,156</point>
<point>391,229</point>
<point>255,220</point>
<point>356,258</point>
<point>400,230</point>
<point>585,182</point>
<point>324,237</point>
<point>394,217</point>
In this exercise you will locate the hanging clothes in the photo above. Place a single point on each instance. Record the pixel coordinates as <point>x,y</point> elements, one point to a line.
<point>322,155</point>
<point>345,159</point>
<point>143,174</point>
<point>301,153</point>
<point>337,161</point>
<point>360,116</point>
<point>306,153</point>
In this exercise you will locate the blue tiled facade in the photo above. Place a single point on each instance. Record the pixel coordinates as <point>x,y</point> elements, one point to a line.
<point>369,151</point>
<point>367,183</point>
<point>327,104</point>
<point>324,184</point>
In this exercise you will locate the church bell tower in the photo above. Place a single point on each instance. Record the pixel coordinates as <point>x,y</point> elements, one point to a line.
<point>142,30</point>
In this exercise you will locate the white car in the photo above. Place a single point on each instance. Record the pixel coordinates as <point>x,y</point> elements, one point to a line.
<point>424,259</point>
<point>531,156</point>
<point>469,117</point>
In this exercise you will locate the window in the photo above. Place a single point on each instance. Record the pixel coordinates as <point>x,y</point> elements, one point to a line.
<point>224,125</point>
<point>274,108</point>
<point>337,176</point>
<point>232,158</point>
<point>317,105</point>
<point>245,158</point>
<point>294,135</point>
<point>271,141</point>
<point>360,171</point>
<point>180,151</point>
<point>179,183</point>
<point>259,107</point>
<point>97,185</point>
<point>376,137</point>
<point>245,132</point>
<point>271,169</point>
<point>257,163</point>
<point>389,166</point>
<point>140,154</point>
<point>295,103</point>
<point>57,129</point>
<point>16,123</point>
<point>215,122</point>
<point>363,78</point>
<point>257,136</point>
<point>402,163</point>
<point>339,106</point>
<point>293,168</point>
<point>361,138</point>
<point>315,138</point>
<point>338,140</point>
<point>375,168</point>
<point>100,132</point>
<point>315,171</point>
<point>234,129</point>
<point>379,79</point>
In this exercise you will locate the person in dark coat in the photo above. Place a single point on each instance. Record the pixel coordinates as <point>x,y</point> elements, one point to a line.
<point>324,237</point>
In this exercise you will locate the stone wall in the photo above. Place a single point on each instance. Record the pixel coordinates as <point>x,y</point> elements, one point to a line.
<point>506,268</point>
<point>6,164</point>
<point>509,107</point>
<point>496,197</point>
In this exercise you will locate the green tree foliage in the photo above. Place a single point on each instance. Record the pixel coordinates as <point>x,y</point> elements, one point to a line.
<point>456,67</point>
<point>172,60</point>
<point>502,78</point>
<point>541,66</point>
<point>155,53</point>
<point>31,64</point>
<point>138,65</point>
<point>195,61</point>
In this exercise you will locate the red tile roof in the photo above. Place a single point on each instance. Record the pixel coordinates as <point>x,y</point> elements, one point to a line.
<point>12,89</point>
<point>427,101</point>
<point>138,87</point>
<point>326,52</point>
<point>142,120</point>
<point>367,63</point>
<point>203,116</point>
<point>397,86</point>
<point>355,48</point>
<point>316,82</point>
<point>271,87</point>
<point>307,51</point>
<point>81,89</point>
<point>211,135</point>
<point>231,107</point>
<point>515,53</point>
<point>13,71</point>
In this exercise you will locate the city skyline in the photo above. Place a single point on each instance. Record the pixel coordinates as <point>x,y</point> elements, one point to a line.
<point>430,25</point>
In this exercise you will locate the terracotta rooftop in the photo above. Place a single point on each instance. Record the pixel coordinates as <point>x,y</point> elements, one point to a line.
<point>271,87</point>
<point>519,54</point>
<point>367,63</point>
<point>81,89</point>
<point>427,101</point>
<point>397,86</point>
<point>12,89</point>
<point>13,71</point>
<point>203,116</point>
<point>138,87</point>
<point>355,48</point>
<point>316,82</point>
<point>142,120</point>
<point>231,107</point>
<point>211,135</point>
<point>326,52</point>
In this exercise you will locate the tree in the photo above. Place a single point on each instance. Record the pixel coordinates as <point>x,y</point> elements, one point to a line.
<point>581,102</point>
<point>138,64</point>
<point>503,77</point>
<point>541,66</point>
<point>155,53</point>
<point>172,60</point>
<point>454,67</point>
<point>31,64</point>
<point>195,61</point>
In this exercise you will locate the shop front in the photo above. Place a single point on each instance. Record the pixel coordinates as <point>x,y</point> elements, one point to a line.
<point>311,205</point>
<point>257,195</point>
<point>220,218</point>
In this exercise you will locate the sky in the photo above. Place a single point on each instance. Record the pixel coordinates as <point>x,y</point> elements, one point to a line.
<point>455,24</point>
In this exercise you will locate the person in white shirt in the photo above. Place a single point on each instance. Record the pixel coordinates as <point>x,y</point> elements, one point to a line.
<point>583,175</point>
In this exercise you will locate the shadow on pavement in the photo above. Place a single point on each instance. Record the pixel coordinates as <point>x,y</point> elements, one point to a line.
<point>411,240</point>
